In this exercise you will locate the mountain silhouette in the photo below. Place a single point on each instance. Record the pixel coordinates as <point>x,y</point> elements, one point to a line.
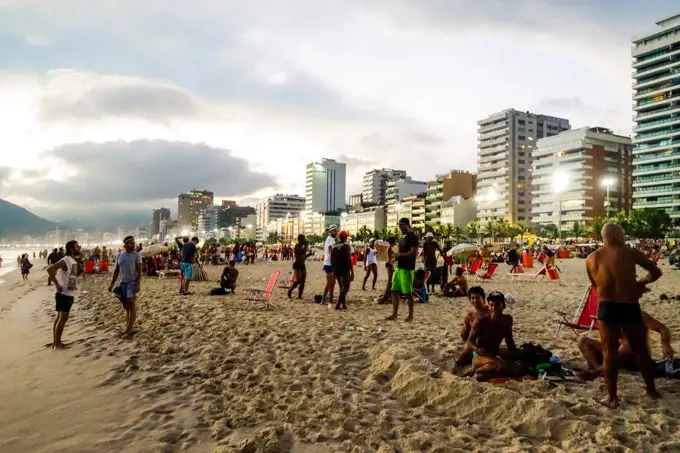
<point>16,222</point>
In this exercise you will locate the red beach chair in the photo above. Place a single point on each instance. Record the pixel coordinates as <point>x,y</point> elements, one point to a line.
<point>89,267</point>
<point>258,295</point>
<point>474,267</point>
<point>585,317</point>
<point>488,275</point>
<point>286,284</point>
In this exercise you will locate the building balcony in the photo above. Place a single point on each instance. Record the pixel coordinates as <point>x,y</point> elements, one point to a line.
<point>659,113</point>
<point>656,157</point>
<point>486,127</point>
<point>669,75</point>
<point>652,92</point>
<point>491,134</point>
<point>643,181</point>
<point>639,170</point>
<point>655,191</point>
<point>666,133</point>
<point>669,63</point>
<point>660,202</point>
<point>493,151</point>
<point>502,157</point>
<point>661,54</point>
<point>653,102</point>
<point>658,146</point>
<point>657,123</point>
<point>491,167</point>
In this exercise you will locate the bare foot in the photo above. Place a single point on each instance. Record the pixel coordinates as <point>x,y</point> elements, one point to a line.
<point>611,404</point>
<point>60,346</point>
<point>391,318</point>
<point>409,319</point>
<point>290,294</point>
<point>653,394</point>
<point>590,375</point>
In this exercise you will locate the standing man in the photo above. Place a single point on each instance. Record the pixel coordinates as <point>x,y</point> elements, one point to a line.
<point>299,267</point>
<point>611,269</point>
<point>129,267</point>
<point>64,274</point>
<point>404,272</point>
<point>343,271</point>
<point>189,250</point>
<point>51,259</point>
<point>327,247</point>
<point>430,249</point>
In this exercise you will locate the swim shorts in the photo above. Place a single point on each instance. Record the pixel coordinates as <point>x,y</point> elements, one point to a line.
<point>619,312</point>
<point>187,270</point>
<point>327,269</point>
<point>126,290</point>
<point>402,281</point>
<point>64,302</point>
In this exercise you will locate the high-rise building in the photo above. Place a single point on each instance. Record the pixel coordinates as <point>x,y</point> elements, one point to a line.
<point>374,188</point>
<point>442,188</point>
<point>656,81</point>
<point>190,204</point>
<point>581,174</point>
<point>372,218</point>
<point>397,189</point>
<point>228,217</point>
<point>506,142</point>
<point>276,207</point>
<point>411,207</point>
<point>207,219</point>
<point>156,217</point>
<point>325,186</point>
<point>229,204</point>
<point>356,201</point>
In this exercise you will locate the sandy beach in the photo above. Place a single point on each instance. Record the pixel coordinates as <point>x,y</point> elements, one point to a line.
<point>204,374</point>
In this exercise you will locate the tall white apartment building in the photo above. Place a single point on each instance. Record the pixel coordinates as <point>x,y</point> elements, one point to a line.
<point>656,104</point>
<point>207,219</point>
<point>506,142</point>
<point>325,186</point>
<point>398,189</point>
<point>276,207</point>
<point>374,188</point>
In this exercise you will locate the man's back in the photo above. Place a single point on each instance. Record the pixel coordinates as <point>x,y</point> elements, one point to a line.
<point>612,270</point>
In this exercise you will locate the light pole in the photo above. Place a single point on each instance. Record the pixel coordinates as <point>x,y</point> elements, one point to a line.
<point>560,182</point>
<point>607,182</point>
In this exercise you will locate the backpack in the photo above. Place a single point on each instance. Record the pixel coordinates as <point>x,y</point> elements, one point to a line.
<point>533,354</point>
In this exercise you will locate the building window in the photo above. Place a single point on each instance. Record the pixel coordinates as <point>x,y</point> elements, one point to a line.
<point>521,122</point>
<point>522,153</point>
<point>520,161</point>
<point>521,137</point>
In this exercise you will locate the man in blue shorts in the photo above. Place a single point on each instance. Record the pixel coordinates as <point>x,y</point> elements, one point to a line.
<point>189,251</point>
<point>129,267</point>
<point>404,271</point>
<point>330,280</point>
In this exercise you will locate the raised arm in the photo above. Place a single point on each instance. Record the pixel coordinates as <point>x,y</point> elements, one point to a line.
<point>654,273</point>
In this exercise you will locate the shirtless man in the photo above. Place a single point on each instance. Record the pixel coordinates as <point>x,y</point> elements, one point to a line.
<point>458,287</point>
<point>611,269</point>
<point>430,249</point>
<point>341,264</point>
<point>299,268</point>
<point>592,349</point>
<point>488,358</point>
<point>479,308</point>
<point>229,277</point>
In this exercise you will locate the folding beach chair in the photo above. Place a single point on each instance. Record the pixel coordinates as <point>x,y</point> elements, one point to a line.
<point>421,293</point>
<point>488,275</point>
<point>286,284</point>
<point>474,267</point>
<point>552,273</point>
<point>258,295</point>
<point>585,317</point>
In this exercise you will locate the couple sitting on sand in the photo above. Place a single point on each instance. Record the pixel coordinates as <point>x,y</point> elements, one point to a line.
<point>484,329</point>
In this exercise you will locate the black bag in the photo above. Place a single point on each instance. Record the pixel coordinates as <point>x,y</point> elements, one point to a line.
<point>533,354</point>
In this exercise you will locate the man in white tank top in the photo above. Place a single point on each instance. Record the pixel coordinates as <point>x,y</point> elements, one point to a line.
<point>63,274</point>
<point>370,263</point>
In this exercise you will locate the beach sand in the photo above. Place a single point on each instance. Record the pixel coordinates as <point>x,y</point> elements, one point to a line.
<point>204,374</point>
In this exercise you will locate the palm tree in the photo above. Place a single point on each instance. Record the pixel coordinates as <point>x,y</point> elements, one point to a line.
<point>595,227</point>
<point>577,229</point>
<point>273,238</point>
<point>490,230</point>
<point>524,228</point>
<point>457,232</point>
<point>502,228</point>
<point>550,231</point>
<point>473,229</point>
<point>446,231</point>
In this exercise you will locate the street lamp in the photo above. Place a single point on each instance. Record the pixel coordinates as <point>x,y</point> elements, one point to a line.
<point>607,182</point>
<point>560,182</point>
<point>397,208</point>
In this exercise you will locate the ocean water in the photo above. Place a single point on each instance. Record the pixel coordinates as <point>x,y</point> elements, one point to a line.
<point>9,260</point>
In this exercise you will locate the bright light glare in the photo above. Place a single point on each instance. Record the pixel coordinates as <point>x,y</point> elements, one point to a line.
<point>560,181</point>
<point>608,182</point>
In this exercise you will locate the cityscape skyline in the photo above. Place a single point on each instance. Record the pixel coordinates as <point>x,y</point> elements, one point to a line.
<point>303,109</point>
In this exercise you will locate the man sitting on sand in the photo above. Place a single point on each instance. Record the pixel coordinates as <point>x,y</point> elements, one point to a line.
<point>612,270</point>
<point>488,358</point>
<point>479,308</point>
<point>592,349</point>
<point>229,277</point>
<point>458,287</point>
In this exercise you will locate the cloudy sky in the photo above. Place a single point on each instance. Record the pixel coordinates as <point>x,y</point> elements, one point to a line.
<point>120,105</point>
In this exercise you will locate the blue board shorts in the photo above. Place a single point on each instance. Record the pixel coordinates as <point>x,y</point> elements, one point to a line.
<point>126,290</point>
<point>327,269</point>
<point>187,270</point>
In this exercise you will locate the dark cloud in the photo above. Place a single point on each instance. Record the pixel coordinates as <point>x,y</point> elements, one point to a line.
<point>152,102</point>
<point>141,173</point>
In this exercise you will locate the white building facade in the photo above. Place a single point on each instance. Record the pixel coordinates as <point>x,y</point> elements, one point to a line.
<point>458,211</point>
<point>325,186</point>
<point>207,219</point>
<point>374,187</point>
<point>398,189</point>
<point>506,143</point>
<point>372,218</point>
<point>276,207</point>
<point>656,105</point>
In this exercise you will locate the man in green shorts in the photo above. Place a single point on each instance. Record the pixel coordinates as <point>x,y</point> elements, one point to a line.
<point>404,271</point>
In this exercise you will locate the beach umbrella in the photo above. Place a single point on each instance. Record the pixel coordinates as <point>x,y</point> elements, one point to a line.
<point>153,250</point>
<point>462,248</point>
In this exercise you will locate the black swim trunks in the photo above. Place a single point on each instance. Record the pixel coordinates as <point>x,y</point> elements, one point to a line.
<point>64,302</point>
<point>299,267</point>
<point>619,312</point>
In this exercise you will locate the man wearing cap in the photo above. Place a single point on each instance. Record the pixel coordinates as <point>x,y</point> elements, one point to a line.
<point>330,281</point>
<point>129,267</point>
<point>430,249</point>
<point>402,279</point>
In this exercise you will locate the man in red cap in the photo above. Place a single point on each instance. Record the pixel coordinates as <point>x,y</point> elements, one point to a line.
<point>341,265</point>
